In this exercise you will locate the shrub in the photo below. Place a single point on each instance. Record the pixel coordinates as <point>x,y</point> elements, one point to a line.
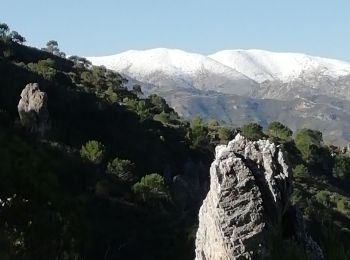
<point>4,30</point>
<point>341,167</point>
<point>300,170</point>
<point>307,142</point>
<point>322,197</point>
<point>225,134</point>
<point>16,37</point>
<point>159,104</point>
<point>199,131</point>
<point>252,131</point>
<point>279,131</point>
<point>92,151</point>
<point>150,187</point>
<point>122,170</point>
<point>162,117</point>
<point>45,68</point>
<point>341,205</point>
<point>111,96</point>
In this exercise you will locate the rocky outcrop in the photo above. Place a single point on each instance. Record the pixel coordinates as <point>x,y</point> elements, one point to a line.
<point>250,184</point>
<point>32,109</point>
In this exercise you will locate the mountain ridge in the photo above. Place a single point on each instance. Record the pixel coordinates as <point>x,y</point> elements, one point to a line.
<point>255,64</point>
<point>283,66</point>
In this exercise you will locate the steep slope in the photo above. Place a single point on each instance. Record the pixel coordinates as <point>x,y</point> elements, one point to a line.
<point>176,69</point>
<point>261,65</point>
<point>80,207</point>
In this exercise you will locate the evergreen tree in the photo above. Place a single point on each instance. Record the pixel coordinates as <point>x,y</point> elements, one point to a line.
<point>279,131</point>
<point>252,131</point>
<point>92,151</point>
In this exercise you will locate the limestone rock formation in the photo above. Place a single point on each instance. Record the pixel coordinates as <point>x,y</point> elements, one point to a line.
<point>32,109</point>
<point>250,184</point>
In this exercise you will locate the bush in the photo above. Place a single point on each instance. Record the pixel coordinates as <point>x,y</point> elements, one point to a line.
<point>16,37</point>
<point>225,134</point>
<point>279,131</point>
<point>252,131</point>
<point>52,47</point>
<point>341,206</point>
<point>199,131</point>
<point>45,68</point>
<point>92,151</point>
<point>300,170</point>
<point>122,170</point>
<point>308,142</point>
<point>159,104</point>
<point>162,117</point>
<point>151,187</point>
<point>111,96</point>
<point>341,167</point>
<point>323,198</point>
<point>4,30</point>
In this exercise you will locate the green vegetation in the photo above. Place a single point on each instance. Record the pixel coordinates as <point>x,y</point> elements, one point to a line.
<point>79,196</point>
<point>45,68</point>
<point>150,188</point>
<point>321,190</point>
<point>199,131</point>
<point>278,131</point>
<point>122,170</point>
<point>300,171</point>
<point>252,131</point>
<point>64,197</point>
<point>308,141</point>
<point>92,151</point>
<point>341,168</point>
<point>52,47</point>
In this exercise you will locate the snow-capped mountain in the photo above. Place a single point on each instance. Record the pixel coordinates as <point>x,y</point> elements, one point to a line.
<point>238,86</point>
<point>257,73</point>
<point>262,65</point>
<point>177,69</point>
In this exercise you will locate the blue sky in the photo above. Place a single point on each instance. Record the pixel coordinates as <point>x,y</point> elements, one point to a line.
<point>102,27</point>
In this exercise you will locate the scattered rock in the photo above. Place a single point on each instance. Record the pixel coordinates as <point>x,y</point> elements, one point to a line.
<point>32,109</point>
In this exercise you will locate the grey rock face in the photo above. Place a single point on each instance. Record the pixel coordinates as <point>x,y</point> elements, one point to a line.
<point>249,190</point>
<point>32,109</point>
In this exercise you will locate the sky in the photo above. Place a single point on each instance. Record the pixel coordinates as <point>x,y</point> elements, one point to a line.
<point>104,27</point>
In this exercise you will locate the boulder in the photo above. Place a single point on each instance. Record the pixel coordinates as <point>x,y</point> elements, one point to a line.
<point>32,109</point>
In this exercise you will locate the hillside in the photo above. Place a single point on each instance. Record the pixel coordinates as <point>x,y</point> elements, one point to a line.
<point>53,189</point>
<point>120,175</point>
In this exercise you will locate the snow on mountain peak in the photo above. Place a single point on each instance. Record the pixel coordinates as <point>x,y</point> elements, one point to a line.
<point>261,65</point>
<point>230,71</point>
<point>172,61</point>
<point>175,67</point>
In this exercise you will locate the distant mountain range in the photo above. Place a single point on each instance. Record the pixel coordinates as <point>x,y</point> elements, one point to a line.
<point>238,86</point>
